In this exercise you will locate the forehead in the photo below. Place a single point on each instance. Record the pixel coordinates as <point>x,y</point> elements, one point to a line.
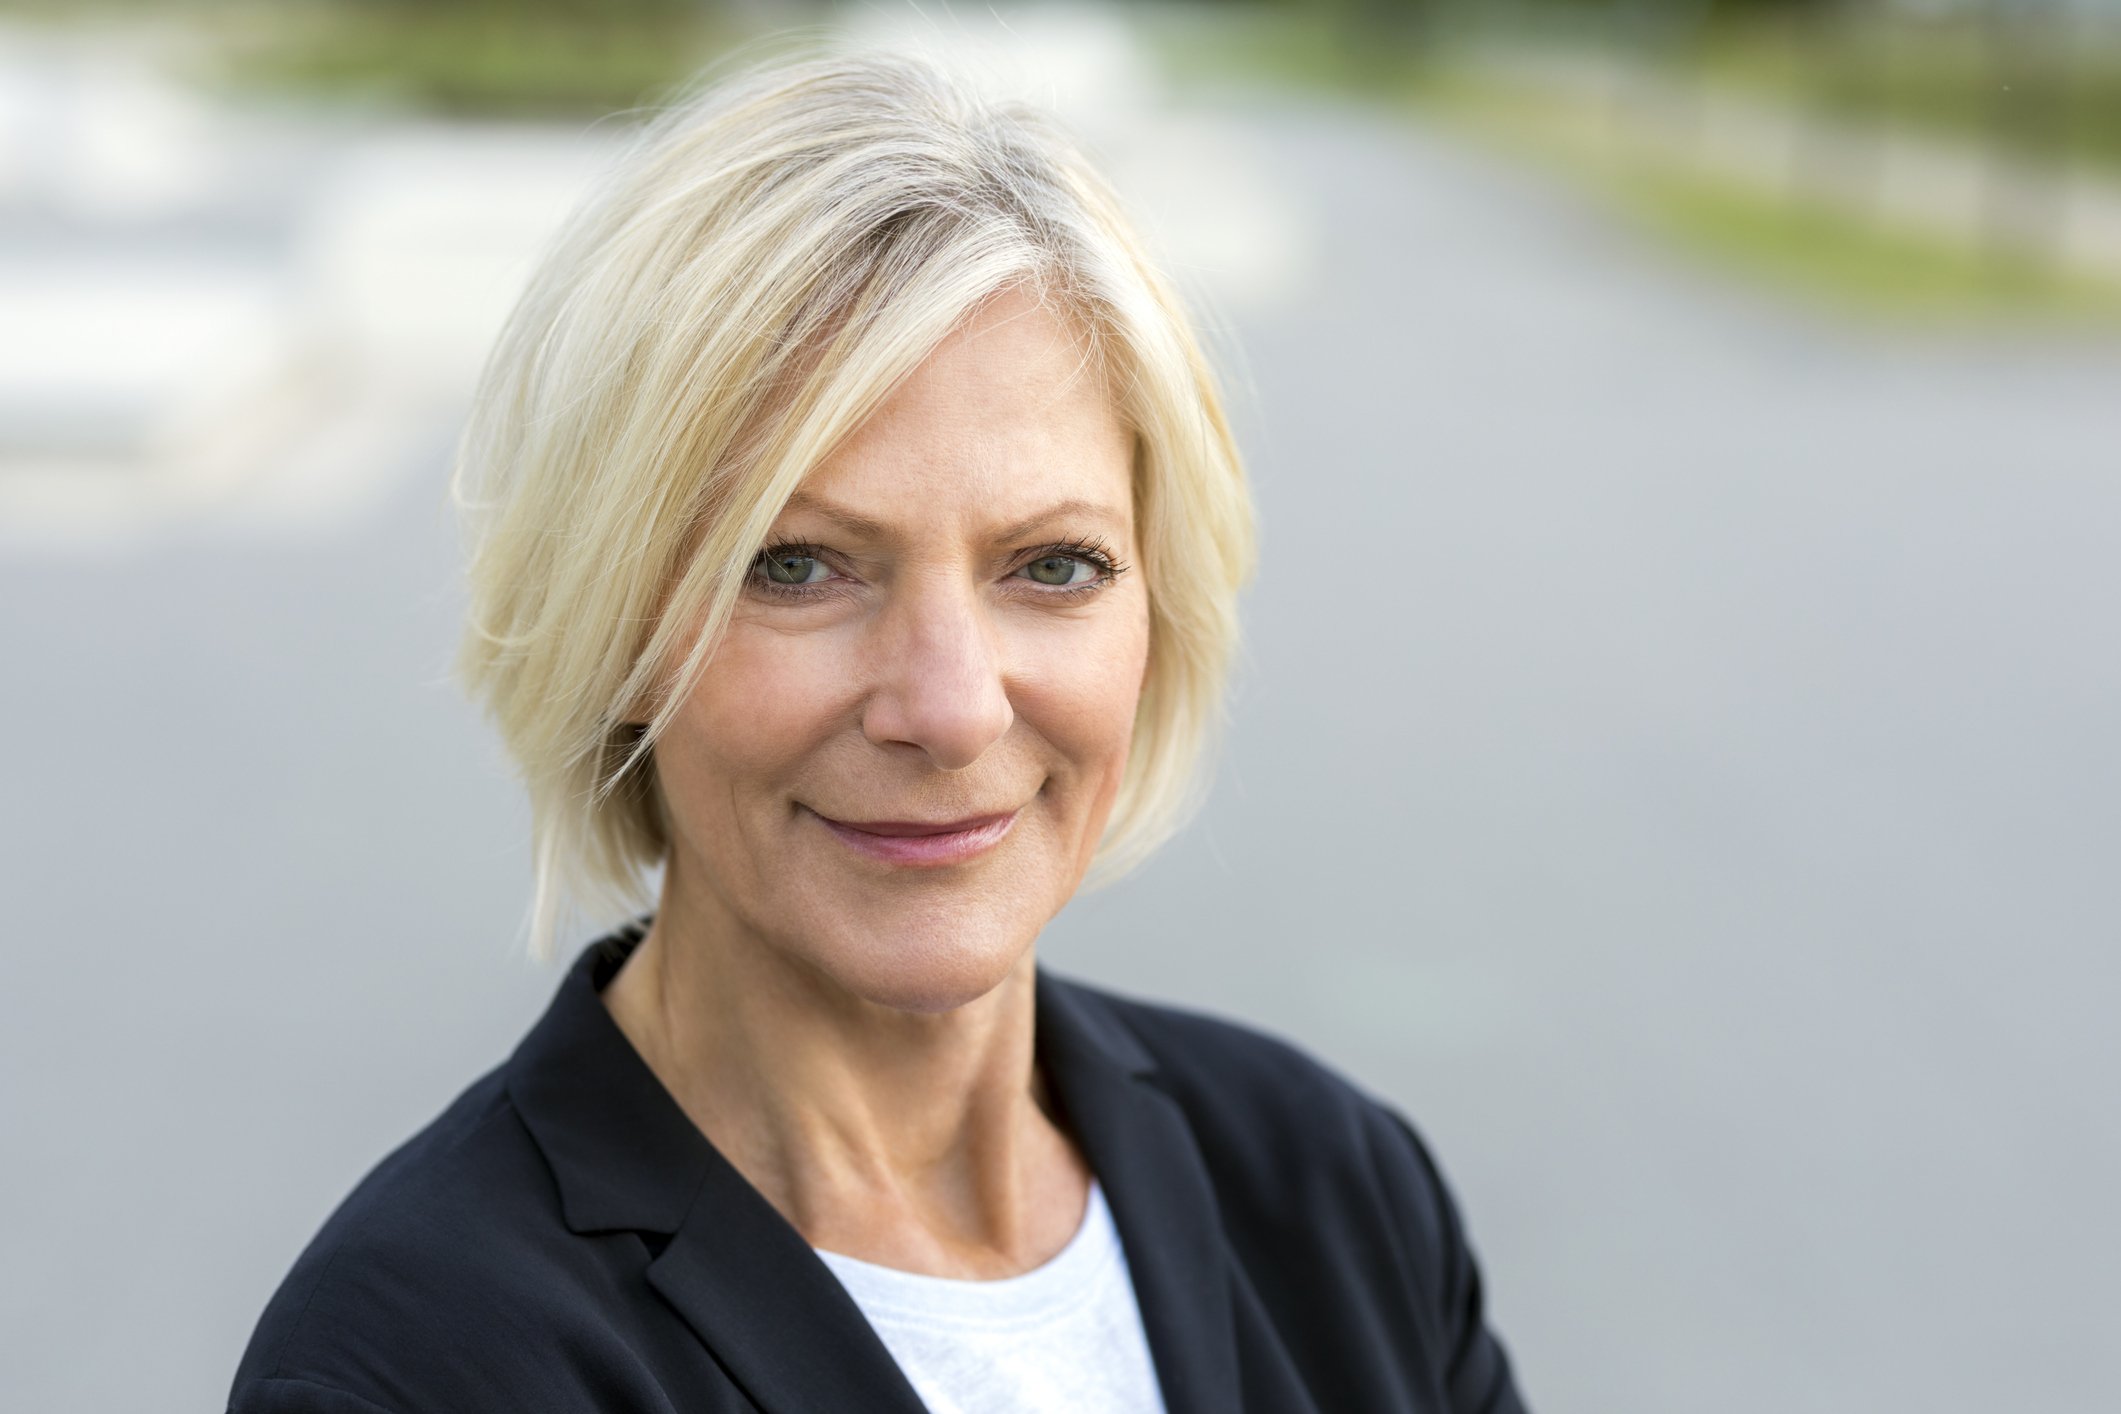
<point>1007,414</point>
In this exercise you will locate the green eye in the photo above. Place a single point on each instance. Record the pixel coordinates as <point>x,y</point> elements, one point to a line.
<point>786,567</point>
<point>1059,570</point>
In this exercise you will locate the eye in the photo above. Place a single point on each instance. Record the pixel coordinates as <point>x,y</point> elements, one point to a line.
<point>1061,570</point>
<point>791,567</point>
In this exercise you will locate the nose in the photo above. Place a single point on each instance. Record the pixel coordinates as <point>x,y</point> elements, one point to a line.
<point>939,675</point>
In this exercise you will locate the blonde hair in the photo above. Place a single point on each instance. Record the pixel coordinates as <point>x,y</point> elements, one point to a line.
<point>769,260</point>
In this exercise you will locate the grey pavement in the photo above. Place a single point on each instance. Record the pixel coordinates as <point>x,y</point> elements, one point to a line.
<point>1675,761</point>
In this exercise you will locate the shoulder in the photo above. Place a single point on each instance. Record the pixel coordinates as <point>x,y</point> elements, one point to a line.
<point>1328,1197</point>
<point>443,1247</point>
<point>1240,1084</point>
<point>1307,1165</point>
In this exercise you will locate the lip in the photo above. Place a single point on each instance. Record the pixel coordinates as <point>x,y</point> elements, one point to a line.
<point>922,843</point>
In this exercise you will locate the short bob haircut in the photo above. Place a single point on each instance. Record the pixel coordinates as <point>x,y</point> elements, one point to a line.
<point>770,258</point>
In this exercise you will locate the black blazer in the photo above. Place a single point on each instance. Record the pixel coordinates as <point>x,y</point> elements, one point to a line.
<point>563,1238</point>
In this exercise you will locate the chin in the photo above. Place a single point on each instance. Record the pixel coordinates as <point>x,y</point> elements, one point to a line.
<point>926,964</point>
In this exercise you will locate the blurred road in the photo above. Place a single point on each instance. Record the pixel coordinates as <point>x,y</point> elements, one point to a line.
<point>1676,761</point>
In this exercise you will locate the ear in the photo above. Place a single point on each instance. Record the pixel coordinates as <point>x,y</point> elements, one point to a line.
<point>639,711</point>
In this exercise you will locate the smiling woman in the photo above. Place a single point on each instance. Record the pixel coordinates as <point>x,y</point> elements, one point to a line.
<point>936,661</point>
<point>856,540</point>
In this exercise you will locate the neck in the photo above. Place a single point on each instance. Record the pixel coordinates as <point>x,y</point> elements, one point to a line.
<point>914,1140</point>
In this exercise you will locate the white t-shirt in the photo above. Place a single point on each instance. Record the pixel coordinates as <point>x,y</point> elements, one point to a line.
<point>1065,1337</point>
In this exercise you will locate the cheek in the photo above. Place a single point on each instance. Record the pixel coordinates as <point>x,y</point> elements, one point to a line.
<point>1084,703</point>
<point>763,704</point>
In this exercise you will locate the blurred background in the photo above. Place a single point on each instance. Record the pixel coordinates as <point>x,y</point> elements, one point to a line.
<point>1675,758</point>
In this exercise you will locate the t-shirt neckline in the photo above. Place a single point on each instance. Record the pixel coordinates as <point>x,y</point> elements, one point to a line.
<point>1061,1282</point>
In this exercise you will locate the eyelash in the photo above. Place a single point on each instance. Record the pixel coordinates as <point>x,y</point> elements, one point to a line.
<point>1093,551</point>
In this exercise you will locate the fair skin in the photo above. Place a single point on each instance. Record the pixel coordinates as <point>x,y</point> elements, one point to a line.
<point>943,631</point>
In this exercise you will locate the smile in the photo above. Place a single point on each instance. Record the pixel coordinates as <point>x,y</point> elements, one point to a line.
<point>920,844</point>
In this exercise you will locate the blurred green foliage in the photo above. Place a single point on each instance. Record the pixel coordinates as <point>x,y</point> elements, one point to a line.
<point>2038,83</point>
<point>2037,79</point>
<point>499,58</point>
<point>1787,238</point>
<point>1939,73</point>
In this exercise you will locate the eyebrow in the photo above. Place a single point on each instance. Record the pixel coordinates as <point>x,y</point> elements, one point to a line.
<point>856,524</point>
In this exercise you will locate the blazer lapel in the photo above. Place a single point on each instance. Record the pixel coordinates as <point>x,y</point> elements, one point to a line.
<point>775,1315</point>
<point>626,1157</point>
<point>1142,1150</point>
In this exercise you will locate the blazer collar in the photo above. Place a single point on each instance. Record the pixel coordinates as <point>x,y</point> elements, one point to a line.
<point>623,1153</point>
<point>1142,1150</point>
<point>626,1157</point>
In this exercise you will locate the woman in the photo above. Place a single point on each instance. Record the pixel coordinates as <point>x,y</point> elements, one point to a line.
<point>857,538</point>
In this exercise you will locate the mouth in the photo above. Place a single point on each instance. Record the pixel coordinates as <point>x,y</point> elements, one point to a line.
<point>921,843</point>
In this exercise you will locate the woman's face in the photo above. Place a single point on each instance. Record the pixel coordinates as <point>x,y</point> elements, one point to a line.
<point>897,765</point>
